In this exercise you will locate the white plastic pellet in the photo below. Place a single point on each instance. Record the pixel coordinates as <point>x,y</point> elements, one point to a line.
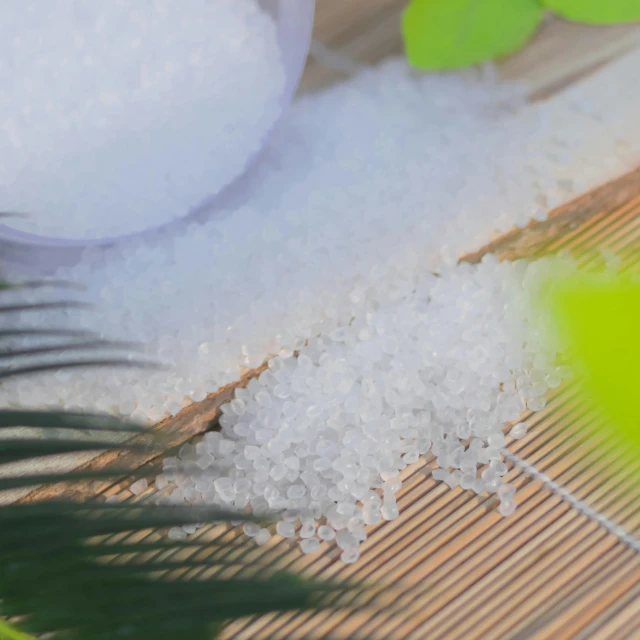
<point>326,533</point>
<point>393,484</point>
<point>307,530</point>
<point>507,507</point>
<point>139,486</point>
<point>251,529</point>
<point>262,536</point>
<point>285,529</point>
<point>536,403</point>
<point>389,512</point>
<point>518,431</point>
<point>349,556</point>
<point>310,545</point>
<point>506,491</point>
<point>177,533</point>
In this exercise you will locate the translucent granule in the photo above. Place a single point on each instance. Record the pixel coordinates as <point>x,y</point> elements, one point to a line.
<point>506,491</point>
<point>251,529</point>
<point>326,533</point>
<point>262,536</point>
<point>507,507</point>
<point>349,556</point>
<point>139,486</point>
<point>518,430</point>
<point>285,529</point>
<point>310,545</point>
<point>176,533</point>
<point>536,403</point>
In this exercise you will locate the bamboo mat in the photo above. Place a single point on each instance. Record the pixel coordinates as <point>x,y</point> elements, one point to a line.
<point>450,567</point>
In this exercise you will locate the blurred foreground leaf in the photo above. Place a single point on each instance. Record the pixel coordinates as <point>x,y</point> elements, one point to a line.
<point>600,319</point>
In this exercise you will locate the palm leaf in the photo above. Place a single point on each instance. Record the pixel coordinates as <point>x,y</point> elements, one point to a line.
<point>41,306</point>
<point>52,332</point>
<point>18,449</point>
<point>12,353</point>
<point>12,372</point>
<point>53,419</point>
<point>65,568</point>
<point>91,349</point>
<point>41,284</point>
<point>67,589</point>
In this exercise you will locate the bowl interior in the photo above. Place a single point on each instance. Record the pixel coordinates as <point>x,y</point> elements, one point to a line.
<point>294,19</point>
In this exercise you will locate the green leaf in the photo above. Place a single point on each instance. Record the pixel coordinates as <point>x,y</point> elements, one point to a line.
<point>55,419</point>
<point>14,352</point>
<point>7,632</point>
<point>52,573</point>
<point>40,284</point>
<point>600,318</point>
<point>69,333</point>
<point>16,482</point>
<point>16,449</point>
<point>12,372</point>
<point>596,11</point>
<point>138,548</point>
<point>449,34</point>
<point>43,306</point>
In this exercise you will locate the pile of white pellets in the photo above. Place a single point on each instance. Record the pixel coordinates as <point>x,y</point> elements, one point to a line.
<point>365,189</point>
<point>344,250</point>
<point>120,116</point>
<point>321,438</point>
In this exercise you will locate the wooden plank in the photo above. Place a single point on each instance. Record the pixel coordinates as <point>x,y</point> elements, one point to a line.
<point>565,221</point>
